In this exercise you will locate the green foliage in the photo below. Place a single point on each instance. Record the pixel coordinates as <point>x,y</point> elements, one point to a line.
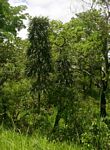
<point>11,18</point>
<point>97,136</point>
<point>39,56</point>
<point>60,71</point>
<point>76,119</point>
<point>15,96</point>
<point>38,52</point>
<point>10,140</point>
<point>13,88</point>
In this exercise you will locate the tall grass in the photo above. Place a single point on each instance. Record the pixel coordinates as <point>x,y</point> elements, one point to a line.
<point>10,140</point>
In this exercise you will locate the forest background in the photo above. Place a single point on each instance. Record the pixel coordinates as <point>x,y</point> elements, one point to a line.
<point>54,85</point>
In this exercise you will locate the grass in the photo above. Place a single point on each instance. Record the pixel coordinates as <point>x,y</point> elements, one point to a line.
<point>10,140</point>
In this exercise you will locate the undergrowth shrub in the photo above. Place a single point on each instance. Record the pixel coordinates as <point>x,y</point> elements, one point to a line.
<point>78,120</point>
<point>97,137</point>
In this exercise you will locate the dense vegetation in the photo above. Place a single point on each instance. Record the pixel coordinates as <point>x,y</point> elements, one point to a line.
<point>54,85</point>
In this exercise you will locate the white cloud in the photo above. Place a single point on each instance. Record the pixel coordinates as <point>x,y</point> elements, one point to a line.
<point>40,2</point>
<point>59,9</point>
<point>54,9</point>
<point>51,8</point>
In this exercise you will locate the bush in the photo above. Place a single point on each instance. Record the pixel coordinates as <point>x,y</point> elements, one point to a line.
<point>97,137</point>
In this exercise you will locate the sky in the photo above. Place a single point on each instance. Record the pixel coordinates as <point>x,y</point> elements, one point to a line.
<point>62,10</point>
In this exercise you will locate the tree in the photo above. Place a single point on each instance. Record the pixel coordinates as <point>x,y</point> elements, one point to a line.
<point>39,55</point>
<point>104,5</point>
<point>14,86</point>
<point>92,50</point>
<point>97,30</point>
<point>11,21</point>
<point>61,93</point>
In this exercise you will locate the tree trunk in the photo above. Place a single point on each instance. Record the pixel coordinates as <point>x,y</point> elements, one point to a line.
<point>103,103</point>
<point>103,92</point>
<point>58,116</point>
<point>105,76</point>
<point>4,112</point>
<point>4,116</point>
<point>39,96</point>
<point>57,119</point>
<point>104,84</point>
<point>39,102</point>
